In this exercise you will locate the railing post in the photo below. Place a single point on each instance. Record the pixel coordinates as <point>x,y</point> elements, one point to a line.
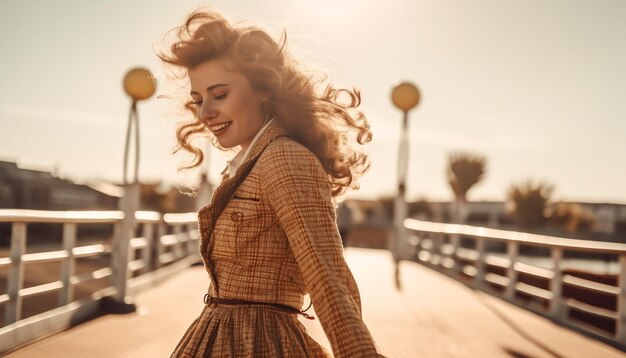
<point>556,285</point>
<point>146,256</point>
<point>190,247</point>
<point>480,262</point>
<point>121,253</point>
<point>178,248</point>
<point>512,253</point>
<point>621,300</point>
<point>66,294</point>
<point>13,310</point>
<point>161,231</point>
<point>456,265</point>
<point>437,253</point>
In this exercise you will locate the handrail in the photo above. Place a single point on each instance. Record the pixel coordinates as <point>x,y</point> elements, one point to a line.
<point>438,246</point>
<point>520,237</point>
<point>90,216</point>
<point>168,243</point>
<point>47,216</point>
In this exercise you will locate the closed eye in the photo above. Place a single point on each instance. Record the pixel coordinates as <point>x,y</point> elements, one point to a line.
<point>222,96</point>
<point>199,102</point>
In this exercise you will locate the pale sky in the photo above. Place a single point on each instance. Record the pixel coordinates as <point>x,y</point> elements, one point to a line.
<point>537,87</point>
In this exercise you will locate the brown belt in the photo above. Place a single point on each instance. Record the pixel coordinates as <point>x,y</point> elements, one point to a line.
<point>209,300</point>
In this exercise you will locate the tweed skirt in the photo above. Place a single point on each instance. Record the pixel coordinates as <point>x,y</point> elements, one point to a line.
<point>250,330</point>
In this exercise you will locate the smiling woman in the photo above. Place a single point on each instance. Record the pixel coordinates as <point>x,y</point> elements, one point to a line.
<point>269,236</point>
<point>226,103</point>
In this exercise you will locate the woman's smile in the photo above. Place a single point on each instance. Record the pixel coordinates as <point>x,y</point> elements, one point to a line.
<point>220,128</point>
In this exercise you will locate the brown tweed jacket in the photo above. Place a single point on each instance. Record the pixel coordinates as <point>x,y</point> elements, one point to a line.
<point>270,235</point>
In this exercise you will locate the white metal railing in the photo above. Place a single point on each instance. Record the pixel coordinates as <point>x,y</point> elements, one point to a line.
<point>438,245</point>
<point>159,253</point>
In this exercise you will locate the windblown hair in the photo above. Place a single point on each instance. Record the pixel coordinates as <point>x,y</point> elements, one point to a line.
<point>304,105</point>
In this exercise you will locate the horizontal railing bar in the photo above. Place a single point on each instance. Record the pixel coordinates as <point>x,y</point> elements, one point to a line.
<point>469,270</point>
<point>5,298</point>
<point>136,265</point>
<point>147,216</point>
<point>467,254</point>
<point>182,236</point>
<point>521,237</point>
<point>49,216</point>
<point>590,285</point>
<point>194,234</point>
<point>41,289</point>
<point>447,249</point>
<point>533,270</point>
<point>94,275</point>
<point>533,290</point>
<point>593,310</point>
<point>496,261</point>
<point>138,242</point>
<point>88,250</point>
<point>48,256</point>
<point>5,261</point>
<point>447,262</point>
<point>169,240</point>
<point>496,279</point>
<point>180,218</point>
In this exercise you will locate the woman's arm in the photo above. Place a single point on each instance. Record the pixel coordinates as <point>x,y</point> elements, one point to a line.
<point>296,186</point>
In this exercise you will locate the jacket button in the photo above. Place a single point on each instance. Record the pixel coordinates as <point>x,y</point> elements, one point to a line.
<point>236,216</point>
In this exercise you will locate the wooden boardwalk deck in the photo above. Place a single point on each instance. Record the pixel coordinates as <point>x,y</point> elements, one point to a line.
<point>433,316</point>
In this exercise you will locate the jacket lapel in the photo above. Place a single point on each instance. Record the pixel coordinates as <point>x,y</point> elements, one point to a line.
<point>207,216</point>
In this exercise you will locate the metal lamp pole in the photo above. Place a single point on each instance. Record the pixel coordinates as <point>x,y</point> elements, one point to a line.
<point>139,85</point>
<point>405,96</point>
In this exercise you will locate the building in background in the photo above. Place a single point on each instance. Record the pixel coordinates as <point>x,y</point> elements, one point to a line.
<point>22,188</point>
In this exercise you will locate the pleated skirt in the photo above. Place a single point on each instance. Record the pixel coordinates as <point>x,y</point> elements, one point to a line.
<point>247,331</point>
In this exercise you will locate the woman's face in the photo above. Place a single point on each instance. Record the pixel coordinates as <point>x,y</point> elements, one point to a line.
<point>226,103</point>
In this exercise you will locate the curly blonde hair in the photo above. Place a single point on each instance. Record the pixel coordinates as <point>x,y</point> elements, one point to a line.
<point>308,109</point>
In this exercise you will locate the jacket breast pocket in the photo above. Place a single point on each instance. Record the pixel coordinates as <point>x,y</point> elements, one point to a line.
<point>239,226</point>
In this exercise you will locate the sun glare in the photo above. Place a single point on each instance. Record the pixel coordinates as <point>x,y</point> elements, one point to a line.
<point>329,11</point>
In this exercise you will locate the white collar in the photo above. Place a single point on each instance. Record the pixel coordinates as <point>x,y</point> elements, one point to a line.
<point>234,163</point>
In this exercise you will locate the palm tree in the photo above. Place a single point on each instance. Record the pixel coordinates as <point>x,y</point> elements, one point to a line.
<point>528,203</point>
<point>464,171</point>
<point>570,217</point>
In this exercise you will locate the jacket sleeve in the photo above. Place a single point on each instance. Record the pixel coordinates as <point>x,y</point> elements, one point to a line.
<point>297,188</point>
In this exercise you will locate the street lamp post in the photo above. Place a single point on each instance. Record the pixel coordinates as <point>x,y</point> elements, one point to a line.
<point>139,85</point>
<point>405,96</point>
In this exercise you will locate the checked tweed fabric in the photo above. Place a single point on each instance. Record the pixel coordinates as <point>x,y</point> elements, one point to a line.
<point>270,235</point>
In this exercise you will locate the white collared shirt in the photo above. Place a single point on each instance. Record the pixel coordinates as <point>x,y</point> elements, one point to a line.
<point>234,163</point>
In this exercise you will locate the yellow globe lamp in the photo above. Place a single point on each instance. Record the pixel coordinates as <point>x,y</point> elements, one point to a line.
<point>139,84</point>
<point>405,96</point>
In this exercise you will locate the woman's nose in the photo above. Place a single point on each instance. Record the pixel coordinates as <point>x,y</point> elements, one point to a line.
<point>207,112</point>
